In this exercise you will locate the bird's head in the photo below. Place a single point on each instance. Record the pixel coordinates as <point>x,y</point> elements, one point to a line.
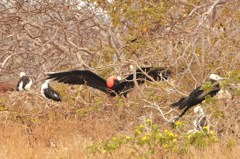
<point>48,81</point>
<point>22,74</point>
<point>131,67</point>
<point>113,81</point>
<point>215,77</point>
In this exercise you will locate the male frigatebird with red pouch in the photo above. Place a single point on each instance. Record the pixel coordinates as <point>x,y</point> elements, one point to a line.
<point>113,85</point>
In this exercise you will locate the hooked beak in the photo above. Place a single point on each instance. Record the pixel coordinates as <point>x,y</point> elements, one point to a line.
<point>119,78</point>
<point>222,79</point>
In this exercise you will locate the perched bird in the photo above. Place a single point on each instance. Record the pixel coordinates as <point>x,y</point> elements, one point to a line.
<point>24,82</point>
<point>199,94</point>
<point>113,85</point>
<point>49,92</point>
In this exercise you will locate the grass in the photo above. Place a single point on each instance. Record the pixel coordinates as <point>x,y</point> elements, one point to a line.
<point>33,127</point>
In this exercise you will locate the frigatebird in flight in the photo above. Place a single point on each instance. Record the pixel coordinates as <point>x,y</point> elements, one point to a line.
<point>113,85</point>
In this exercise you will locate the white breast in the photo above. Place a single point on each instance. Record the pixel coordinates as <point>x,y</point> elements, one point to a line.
<point>20,87</point>
<point>28,86</point>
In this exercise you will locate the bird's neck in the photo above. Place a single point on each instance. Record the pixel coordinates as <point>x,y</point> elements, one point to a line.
<point>45,86</point>
<point>115,84</point>
<point>214,83</point>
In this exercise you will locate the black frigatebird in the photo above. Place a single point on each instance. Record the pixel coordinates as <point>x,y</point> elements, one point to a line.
<point>113,85</point>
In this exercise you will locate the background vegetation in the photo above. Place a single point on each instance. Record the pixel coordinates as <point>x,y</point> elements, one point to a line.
<point>193,38</point>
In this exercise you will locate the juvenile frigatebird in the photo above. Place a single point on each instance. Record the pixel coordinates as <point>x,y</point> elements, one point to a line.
<point>49,92</point>
<point>24,82</point>
<point>198,95</point>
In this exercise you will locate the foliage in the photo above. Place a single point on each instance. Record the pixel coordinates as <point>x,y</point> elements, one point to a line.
<point>147,140</point>
<point>4,103</point>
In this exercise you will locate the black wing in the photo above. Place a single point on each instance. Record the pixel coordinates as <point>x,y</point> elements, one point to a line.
<point>52,94</point>
<point>196,97</point>
<point>187,102</point>
<point>80,77</point>
<point>199,95</point>
<point>156,73</point>
<point>178,103</point>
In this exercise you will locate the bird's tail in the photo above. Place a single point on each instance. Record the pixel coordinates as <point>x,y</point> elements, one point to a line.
<point>180,103</point>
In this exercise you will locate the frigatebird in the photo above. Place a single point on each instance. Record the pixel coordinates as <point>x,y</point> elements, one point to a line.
<point>198,95</point>
<point>24,82</point>
<point>49,92</point>
<point>113,85</point>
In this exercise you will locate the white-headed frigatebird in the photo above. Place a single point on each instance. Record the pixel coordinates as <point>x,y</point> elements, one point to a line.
<point>198,95</point>
<point>24,83</point>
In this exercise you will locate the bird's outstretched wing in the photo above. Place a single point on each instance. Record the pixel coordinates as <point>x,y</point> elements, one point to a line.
<point>80,77</point>
<point>156,73</point>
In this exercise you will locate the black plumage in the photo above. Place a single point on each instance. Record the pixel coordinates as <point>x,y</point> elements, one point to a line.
<point>49,92</point>
<point>143,74</point>
<point>80,77</point>
<point>118,88</point>
<point>52,94</point>
<point>198,95</point>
